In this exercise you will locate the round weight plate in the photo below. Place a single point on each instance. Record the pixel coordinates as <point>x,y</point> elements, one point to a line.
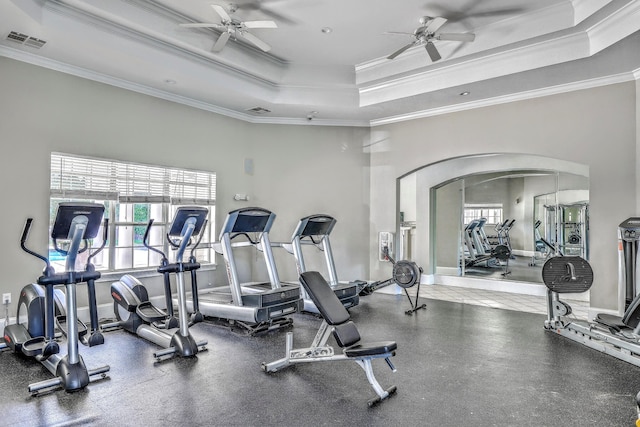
<point>567,274</point>
<point>406,273</point>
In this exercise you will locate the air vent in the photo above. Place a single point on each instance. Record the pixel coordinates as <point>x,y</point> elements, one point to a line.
<point>259,110</point>
<point>17,37</point>
<point>26,40</point>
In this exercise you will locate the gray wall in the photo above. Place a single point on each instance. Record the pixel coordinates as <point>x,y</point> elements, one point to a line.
<point>574,127</point>
<point>298,170</point>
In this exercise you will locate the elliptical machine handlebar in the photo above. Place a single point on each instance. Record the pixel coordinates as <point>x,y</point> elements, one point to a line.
<point>165,259</point>
<point>145,242</point>
<point>192,256</point>
<point>23,240</point>
<point>105,236</point>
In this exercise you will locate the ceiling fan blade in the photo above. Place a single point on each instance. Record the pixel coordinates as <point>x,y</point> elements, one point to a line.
<point>467,11</point>
<point>432,51</point>
<point>458,37</point>
<point>398,33</point>
<point>497,12</point>
<point>221,42</point>
<point>221,12</point>
<point>256,41</point>
<point>399,51</point>
<point>435,24</point>
<point>259,6</point>
<point>202,25</point>
<point>260,24</point>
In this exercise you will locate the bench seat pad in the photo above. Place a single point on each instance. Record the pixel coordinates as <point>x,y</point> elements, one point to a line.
<point>370,349</point>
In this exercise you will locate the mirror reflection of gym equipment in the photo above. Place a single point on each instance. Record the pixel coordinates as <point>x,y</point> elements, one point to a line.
<point>515,191</point>
<point>566,229</point>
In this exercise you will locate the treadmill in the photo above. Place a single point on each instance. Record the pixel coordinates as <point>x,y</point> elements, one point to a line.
<point>255,306</point>
<point>314,230</point>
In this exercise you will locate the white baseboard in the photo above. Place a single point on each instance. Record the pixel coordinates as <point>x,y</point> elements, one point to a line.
<point>492,285</point>
<point>524,288</point>
<point>514,287</point>
<point>447,271</point>
<point>523,253</point>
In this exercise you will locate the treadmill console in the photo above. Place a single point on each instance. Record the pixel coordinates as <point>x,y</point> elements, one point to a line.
<point>315,225</point>
<point>248,220</point>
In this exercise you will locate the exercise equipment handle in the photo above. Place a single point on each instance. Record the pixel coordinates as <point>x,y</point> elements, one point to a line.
<point>192,258</point>
<point>23,240</point>
<point>145,241</point>
<point>388,256</point>
<point>105,235</point>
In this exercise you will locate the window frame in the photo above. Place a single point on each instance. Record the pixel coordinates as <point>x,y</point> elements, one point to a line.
<point>473,211</point>
<point>128,184</point>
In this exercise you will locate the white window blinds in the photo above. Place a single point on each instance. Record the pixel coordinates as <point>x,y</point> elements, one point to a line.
<point>82,177</point>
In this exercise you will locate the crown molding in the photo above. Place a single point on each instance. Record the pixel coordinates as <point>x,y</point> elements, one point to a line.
<point>505,99</point>
<point>608,25</point>
<point>520,57</point>
<point>51,64</point>
<point>145,90</point>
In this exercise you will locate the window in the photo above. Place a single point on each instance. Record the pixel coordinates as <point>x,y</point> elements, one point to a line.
<point>492,212</point>
<point>132,194</point>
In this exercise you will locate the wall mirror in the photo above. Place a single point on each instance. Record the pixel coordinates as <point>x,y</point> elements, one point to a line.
<point>533,206</point>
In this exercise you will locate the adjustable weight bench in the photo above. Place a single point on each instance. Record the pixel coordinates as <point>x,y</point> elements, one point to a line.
<point>336,320</point>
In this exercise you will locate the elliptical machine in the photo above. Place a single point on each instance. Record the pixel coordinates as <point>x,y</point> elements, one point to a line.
<point>136,314</point>
<point>75,223</point>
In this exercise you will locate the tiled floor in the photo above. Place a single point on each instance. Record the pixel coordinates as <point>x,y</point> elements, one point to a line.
<point>496,299</point>
<point>520,271</point>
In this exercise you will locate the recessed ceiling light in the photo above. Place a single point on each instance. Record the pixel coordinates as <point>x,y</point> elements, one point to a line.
<point>326,30</point>
<point>465,93</point>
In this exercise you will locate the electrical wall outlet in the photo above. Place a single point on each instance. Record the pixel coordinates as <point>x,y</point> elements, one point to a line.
<point>6,298</point>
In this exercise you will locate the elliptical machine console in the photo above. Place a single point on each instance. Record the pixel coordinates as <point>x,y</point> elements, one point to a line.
<point>75,224</point>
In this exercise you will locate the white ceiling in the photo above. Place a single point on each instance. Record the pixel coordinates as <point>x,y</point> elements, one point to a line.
<point>522,49</point>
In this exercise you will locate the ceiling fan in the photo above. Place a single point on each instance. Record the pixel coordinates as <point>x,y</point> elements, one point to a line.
<point>232,27</point>
<point>426,33</point>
